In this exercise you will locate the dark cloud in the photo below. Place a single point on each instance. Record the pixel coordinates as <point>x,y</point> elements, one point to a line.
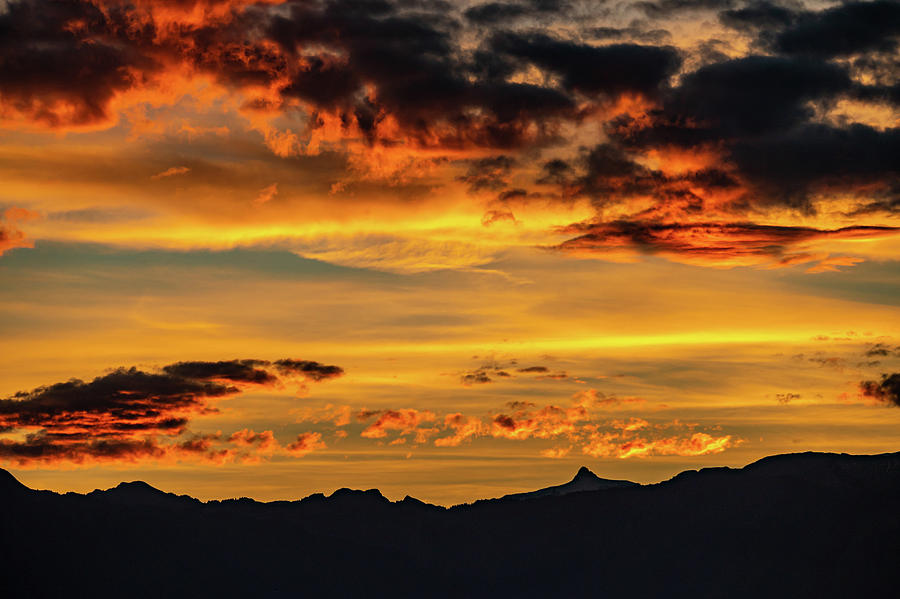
<point>48,82</point>
<point>886,390</point>
<point>757,112</point>
<point>751,95</point>
<point>786,398</point>
<point>531,369</point>
<point>483,374</point>
<point>519,405</point>
<point>61,62</point>
<point>476,377</point>
<point>489,173</point>
<point>422,74</point>
<point>787,164</point>
<point>555,171</point>
<point>39,447</point>
<point>420,77</point>
<point>843,30</point>
<point>765,16</point>
<point>716,241</point>
<point>650,36</point>
<point>120,414</point>
<point>609,70</point>
<point>308,369</point>
<point>499,13</point>
<point>505,422</point>
<point>881,350</point>
<point>495,12</point>
<point>666,8</point>
<point>243,371</point>
<point>110,405</point>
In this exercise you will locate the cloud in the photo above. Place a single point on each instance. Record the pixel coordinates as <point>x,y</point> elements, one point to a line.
<point>556,452</point>
<point>502,13</point>
<point>306,443</point>
<point>238,371</point>
<point>622,445</point>
<point>308,369</point>
<point>171,172</point>
<point>533,369</point>
<point>786,398</point>
<point>583,422</point>
<point>492,370</point>
<point>61,63</point>
<point>266,194</point>
<point>264,440</point>
<point>129,414</point>
<point>759,16</point>
<point>629,68</point>
<point>463,427</point>
<point>881,350</point>
<point>483,375</point>
<point>666,8</point>
<point>843,30</point>
<point>429,96</point>
<point>788,164</point>
<point>405,421</point>
<point>114,404</point>
<point>887,390</point>
<point>11,236</point>
<point>489,173</point>
<point>719,244</point>
<point>495,12</point>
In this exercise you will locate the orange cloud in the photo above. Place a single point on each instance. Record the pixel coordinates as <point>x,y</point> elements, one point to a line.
<point>621,445</point>
<point>171,172</point>
<point>463,427</point>
<point>266,194</point>
<point>10,236</point>
<point>406,421</point>
<point>264,441</point>
<point>306,443</point>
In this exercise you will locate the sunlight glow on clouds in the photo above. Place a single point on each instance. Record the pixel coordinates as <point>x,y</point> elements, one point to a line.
<point>655,234</point>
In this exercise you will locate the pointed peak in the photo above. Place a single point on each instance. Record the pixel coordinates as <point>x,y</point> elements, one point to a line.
<point>584,473</point>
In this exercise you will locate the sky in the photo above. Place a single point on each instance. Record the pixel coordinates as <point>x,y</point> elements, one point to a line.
<point>446,249</point>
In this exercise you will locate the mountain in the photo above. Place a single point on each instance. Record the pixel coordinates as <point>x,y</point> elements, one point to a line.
<point>10,485</point>
<point>139,493</point>
<point>584,480</point>
<point>798,525</point>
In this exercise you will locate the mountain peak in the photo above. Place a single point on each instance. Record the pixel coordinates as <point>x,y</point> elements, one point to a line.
<point>140,493</point>
<point>136,486</point>
<point>584,473</point>
<point>585,480</point>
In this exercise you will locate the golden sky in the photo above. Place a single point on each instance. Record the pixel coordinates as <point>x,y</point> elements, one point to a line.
<point>445,249</point>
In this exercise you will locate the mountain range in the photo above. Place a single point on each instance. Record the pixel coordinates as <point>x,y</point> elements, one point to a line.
<point>795,525</point>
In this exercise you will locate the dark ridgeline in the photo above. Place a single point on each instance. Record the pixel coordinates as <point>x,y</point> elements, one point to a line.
<point>800,525</point>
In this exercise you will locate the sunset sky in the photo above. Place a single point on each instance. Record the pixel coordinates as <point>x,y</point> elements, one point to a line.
<point>445,249</point>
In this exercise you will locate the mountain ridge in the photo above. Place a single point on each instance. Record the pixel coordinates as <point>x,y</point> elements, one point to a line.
<point>585,480</point>
<point>806,525</point>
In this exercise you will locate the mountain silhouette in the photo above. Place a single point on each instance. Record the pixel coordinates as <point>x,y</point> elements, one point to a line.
<point>584,480</point>
<point>139,493</point>
<point>797,525</point>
